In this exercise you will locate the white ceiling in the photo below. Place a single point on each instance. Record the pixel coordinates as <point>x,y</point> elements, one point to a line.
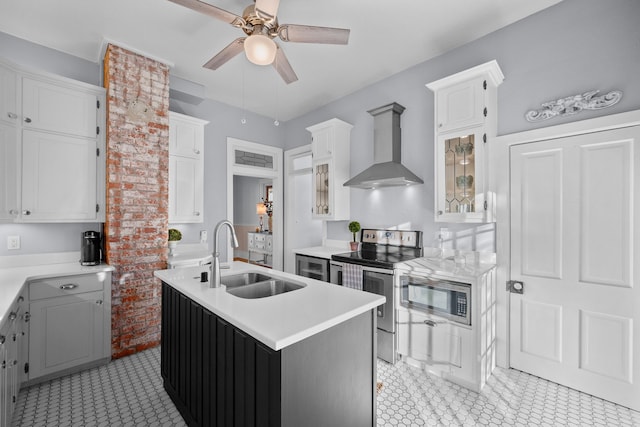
<point>387,36</point>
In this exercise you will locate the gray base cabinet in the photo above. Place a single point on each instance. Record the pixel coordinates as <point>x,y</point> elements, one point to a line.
<point>217,375</point>
<point>70,324</point>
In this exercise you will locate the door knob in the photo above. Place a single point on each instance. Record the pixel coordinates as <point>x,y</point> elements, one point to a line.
<point>27,120</point>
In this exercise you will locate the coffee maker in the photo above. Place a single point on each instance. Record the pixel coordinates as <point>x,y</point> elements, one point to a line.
<point>90,248</point>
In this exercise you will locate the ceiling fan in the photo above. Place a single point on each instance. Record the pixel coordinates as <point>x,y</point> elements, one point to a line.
<point>260,23</point>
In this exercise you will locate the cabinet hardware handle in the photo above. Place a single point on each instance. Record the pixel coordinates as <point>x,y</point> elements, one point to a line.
<point>4,364</point>
<point>68,286</point>
<point>26,212</point>
<point>99,302</point>
<point>195,150</point>
<point>430,323</point>
<point>439,212</point>
<point>2,339</point>
<point>196,213</point>
<point>13,316</point>
<point>27,316</point>
<point>12,115</point>
<point>13,212</point>
<point>27,120</point>
<point>20,298</point>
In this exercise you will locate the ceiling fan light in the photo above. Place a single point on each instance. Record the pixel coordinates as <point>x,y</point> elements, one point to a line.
<point>260,49</point>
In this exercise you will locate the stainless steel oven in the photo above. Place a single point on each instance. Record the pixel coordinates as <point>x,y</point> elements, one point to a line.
<point>377,281</point>
<point>444,298</point>
<point>381,252</point>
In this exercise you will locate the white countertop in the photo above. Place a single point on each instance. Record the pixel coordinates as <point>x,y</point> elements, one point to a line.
<point>12,279</point>
<point>321,251</point>
<point>447,268</point>
<point>280,320</point>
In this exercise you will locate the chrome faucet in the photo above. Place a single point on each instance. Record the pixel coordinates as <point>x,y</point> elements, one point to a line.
<point>215,280</point>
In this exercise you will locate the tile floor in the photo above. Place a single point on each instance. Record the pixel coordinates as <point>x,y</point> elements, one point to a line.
<point>128,392</point>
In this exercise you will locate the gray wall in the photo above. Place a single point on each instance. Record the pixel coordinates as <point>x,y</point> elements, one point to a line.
<point>575,46</point>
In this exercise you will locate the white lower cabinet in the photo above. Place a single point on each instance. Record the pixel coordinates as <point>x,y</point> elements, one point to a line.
<point>431,340</point>
<point>70,324</point>
<point>11,361</point>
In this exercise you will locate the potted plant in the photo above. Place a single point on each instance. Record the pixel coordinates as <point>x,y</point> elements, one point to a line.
<point>354,227</point>
<point>174,237</point>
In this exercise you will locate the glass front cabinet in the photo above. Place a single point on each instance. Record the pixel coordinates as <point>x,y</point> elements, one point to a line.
<point>465,121</point>
<point>460,185</point>
<point>330,150</point>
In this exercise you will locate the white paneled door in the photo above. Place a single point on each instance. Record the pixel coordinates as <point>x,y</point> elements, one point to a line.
<point>575,244</point>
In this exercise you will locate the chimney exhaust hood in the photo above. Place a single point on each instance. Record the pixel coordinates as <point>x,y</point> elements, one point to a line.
<point>387,170</point>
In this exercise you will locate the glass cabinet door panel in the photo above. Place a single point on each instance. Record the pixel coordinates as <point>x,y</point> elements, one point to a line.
<point>321,175</point>
<point>460,175</point>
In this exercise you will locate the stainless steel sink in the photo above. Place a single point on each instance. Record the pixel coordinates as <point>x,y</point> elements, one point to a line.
<point>243,279</point>
<point>264,289</point>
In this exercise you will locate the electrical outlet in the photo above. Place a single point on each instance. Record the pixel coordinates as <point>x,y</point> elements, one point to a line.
<point>203,236</point>
<point>13,242</point>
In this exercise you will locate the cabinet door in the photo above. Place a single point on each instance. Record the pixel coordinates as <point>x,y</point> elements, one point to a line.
<point>461,105</point>
<point>8,173</point>
<point>428,339</point>
<point>51,107</point>
<point>5,404</point>
<point>460,178</point>
<point>186,193</point>
<point>65,332</point>
<point>322,191</point>
<point>8,105</point>
<point>185,138</point>
<point>58,177</point>
<point>322,145</point>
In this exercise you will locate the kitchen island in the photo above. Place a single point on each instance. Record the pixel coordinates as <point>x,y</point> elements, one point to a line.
<point>304,357</point>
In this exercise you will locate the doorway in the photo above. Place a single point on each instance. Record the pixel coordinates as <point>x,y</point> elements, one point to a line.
<point>302,231</point>
<point>254,173</point>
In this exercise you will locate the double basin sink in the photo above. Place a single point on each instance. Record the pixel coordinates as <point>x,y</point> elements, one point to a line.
<point>254,285</point>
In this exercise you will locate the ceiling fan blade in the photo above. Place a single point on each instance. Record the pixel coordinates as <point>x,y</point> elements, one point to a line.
<point>267,9</point>
<point>282,66</point>
<point>310,34</point>
<point>232,49</point>
<point>210,10</point>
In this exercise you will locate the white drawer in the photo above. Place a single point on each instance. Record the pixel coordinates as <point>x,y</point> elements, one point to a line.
<point>61,286</point>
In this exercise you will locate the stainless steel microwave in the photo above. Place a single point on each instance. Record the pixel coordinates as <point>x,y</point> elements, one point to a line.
<point>444,298</point>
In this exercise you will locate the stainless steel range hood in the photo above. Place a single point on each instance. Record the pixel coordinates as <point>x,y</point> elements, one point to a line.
<point>387,170</point>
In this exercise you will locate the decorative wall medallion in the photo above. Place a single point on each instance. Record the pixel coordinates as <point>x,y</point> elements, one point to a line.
<point>574,104</point>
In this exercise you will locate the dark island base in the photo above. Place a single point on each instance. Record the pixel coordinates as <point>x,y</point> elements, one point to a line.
<point>217,375</point>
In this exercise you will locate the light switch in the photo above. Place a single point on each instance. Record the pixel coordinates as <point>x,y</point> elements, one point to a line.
<point>13,242</point>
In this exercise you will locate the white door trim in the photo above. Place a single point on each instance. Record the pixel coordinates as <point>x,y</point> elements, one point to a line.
<point>277,178</point>
<point>499,181</point>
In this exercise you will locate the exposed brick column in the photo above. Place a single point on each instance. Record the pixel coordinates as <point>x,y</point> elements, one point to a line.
<point>137,195</point>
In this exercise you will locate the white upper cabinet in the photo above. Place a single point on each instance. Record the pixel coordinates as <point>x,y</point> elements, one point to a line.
<point>460,106</point>
<point>8,173</point>
<point>53,148</point>
<point>186,135</point>
<point>186,169</point>
<point>465,121</point>
<point>8,100</point>
<point>331,161</point>
<point>58,177</point>
<point>57,108</point>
